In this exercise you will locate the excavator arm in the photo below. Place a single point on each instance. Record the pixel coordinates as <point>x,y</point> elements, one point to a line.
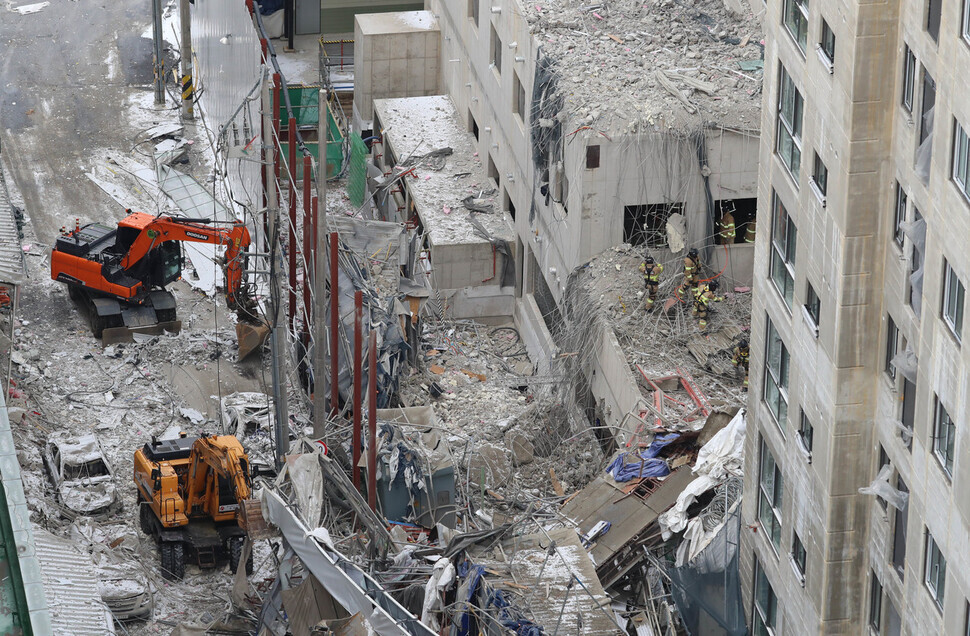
<point>214,457</point>
<point>157,230</point>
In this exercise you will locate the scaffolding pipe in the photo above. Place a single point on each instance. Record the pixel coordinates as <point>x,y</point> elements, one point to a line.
<point>372,423</point>
<point>334,327</point>
<point>308,252</point>
<point>290,127</point>
<point>358,392</point>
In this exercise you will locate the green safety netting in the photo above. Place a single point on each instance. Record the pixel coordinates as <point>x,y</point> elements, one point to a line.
<point>357,175</point>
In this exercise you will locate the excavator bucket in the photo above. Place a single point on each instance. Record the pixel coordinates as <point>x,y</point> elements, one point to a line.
<point>250,339</point>
<point>251,520</point>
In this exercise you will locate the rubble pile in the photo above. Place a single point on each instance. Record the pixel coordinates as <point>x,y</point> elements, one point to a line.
<point>630,65</point>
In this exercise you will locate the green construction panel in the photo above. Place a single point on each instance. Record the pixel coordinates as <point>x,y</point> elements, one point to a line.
<point>340,19</point>
<point>357,175</point>
<point>306,111</point>
<point>14,613</point>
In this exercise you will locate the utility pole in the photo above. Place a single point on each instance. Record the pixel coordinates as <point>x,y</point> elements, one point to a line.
<point>188,91</point>
<point>281,438</point>
<point>322,251</point>
<point>158,62</point>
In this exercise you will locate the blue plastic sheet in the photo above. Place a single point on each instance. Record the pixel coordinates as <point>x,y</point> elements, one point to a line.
<point>629,466</point>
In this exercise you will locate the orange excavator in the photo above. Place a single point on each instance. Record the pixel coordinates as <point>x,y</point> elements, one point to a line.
<point>194,497</point>
<point>118,275</point>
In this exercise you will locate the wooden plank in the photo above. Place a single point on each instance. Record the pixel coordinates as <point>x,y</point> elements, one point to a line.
<point>556,486</point>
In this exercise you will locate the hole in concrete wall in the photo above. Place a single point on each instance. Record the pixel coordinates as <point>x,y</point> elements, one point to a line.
<point>508,205</point>
<point>545,301</point>
<point>592,157</point>
<point>743,210</point>
<point>646,224</point>
<point>472,125</point>
<point>492,170</point>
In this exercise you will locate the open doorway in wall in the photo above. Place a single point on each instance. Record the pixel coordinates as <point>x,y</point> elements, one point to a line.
<point>507,203</point>
<point>744,212</point>
<point>646,224</point>
<point>472,125</point>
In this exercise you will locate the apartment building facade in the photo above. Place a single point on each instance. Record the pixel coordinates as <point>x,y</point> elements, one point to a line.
<point>858,364</point>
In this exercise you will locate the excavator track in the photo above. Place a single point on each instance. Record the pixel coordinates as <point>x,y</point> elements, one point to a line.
<point>114,321</point>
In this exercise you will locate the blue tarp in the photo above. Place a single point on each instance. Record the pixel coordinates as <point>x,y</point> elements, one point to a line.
<point>629,466</point>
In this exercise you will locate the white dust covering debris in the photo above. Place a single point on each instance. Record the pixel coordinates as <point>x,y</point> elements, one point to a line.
<point>419,125</point>
<point>608,56</point>
<point>660,343</point>
<point>416,19</point>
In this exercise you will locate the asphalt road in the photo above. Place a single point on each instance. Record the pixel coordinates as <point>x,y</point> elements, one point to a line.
<point>67,75</point>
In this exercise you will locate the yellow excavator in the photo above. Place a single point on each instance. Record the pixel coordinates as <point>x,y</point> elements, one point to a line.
<point>194,494</point>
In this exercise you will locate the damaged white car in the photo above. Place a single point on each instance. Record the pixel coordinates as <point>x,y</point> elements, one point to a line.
<point>83,481</point>
<point>125,592</point>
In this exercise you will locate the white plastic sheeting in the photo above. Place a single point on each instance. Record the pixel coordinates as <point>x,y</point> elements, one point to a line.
<point>880,488</point>
<point>718,459</point>
<point>906,363</point>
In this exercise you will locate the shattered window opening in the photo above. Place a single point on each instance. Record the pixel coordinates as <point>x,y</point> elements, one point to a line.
<point>899,216</point>
<point>828,42</point>
<point>899,533</point>
<point>647,224</point>
<point>93,468</point>
<point>784,237</point>
<point>909,410</point>
<point>765,603</point>
<point>934,574</point>
<point>771,491</point>
<point>915,278</point>
<point>519,105</point>
<point>892,346</point>
<point>790,106</point>
<point>953,293</point>
<point>776,377</point>
<point>961,159</point>
<point>496,58</point>
<point>796,21</point>
<point>909,79</point>
<point>944,436</point>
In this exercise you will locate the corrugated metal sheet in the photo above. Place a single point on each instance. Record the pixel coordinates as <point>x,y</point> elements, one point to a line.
<point>71,584</point>
<point>11,252</point>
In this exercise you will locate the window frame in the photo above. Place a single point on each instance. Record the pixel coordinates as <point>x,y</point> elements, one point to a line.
<point>897,557</point>
<point>965,34</point>
<point>826,44</point>
<point>777,378</point>
<point>874,622</point>
<point>953,286</point>
<point>813,306</point>
<point>806,434</point>
<point>798,557</point>
<point>789,123</point>
<point>794,15</point>
<point>781,269</point>
<point>766,617</point>
<point>944,438</point>
<point>519,104</point>
<point>475,11</point>
<point>900,214</point>
<point>770,496</point>
<point>820,178</point>
<point>892,346</point>
<point>908,97</point>
<point>961,174</point>
<point>933,17</point>
<point>934,570</point>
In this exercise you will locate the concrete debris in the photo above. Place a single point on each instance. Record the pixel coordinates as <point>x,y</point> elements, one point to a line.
<point>690,46</point>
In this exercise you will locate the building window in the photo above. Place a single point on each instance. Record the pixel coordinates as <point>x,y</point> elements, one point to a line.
<point>899,534</point>
<point>473,125</point>
<point>796,21</point>
<point>927,103</point>
<point>813,306</point>
<point>798,558</point>
<point>883,461</point>
<point>790,106</point>
<point>909,412</point>
<point>966,620</point>
<point>592,157</point>
<point>875,603</point>
<point>827,45</point>
<point>944,436</point>
<point>496,51</point>
<point>909,78</point>
<point>899,215</point>
<point>783,242</point>
<point>961,158</point>
<point>771,491</point>
<point>776,376</point>
<point>966,37</point>
<point>934,574</point>
<point>765,603</point>
<point>916,273</point>
<point>805,434</point>
<point>474,10</point>
<point>519,107</point>
<point>933,18</point>
<point>492,169</point>
<point>820,179</point>
<point>953,293</point>
<point>647,224</point>
<point>892,346</point>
